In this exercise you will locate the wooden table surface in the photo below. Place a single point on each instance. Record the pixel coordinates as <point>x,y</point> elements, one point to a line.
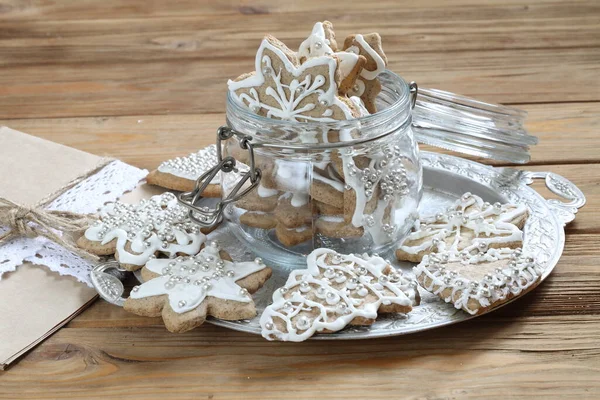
<point>145,81</point>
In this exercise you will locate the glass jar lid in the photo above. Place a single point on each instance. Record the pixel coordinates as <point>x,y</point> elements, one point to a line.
<point>458,123</point>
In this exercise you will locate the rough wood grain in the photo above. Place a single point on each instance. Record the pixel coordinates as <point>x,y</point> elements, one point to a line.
<point>424,29</point>
<point>145,81</point>
<point>476,359</point>
<point>37,10</point>
<point>568,133</point>
<point>198,85</point>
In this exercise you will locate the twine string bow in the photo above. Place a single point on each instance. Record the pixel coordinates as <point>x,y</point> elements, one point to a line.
<point>32,222</point>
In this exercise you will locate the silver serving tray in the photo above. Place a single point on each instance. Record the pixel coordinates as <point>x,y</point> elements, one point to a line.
<point>445,179</point>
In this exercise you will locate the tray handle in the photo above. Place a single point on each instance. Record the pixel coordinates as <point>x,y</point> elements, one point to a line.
<point>560,186</point>
<point>108,284</point>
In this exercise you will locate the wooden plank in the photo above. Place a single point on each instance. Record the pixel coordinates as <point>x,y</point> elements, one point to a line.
<point>125,9</point>
<point>198,85</point>
<point>145,81</point>
<point>480,358</point>
<point>568,134</point>
<point>440,30</point>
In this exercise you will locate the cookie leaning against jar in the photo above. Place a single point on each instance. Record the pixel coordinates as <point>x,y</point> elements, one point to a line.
<point>321,82</point>
<point>181,173</point>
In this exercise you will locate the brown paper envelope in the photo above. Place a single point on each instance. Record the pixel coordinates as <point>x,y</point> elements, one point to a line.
<point>32,168</point>
<point>34,301</point>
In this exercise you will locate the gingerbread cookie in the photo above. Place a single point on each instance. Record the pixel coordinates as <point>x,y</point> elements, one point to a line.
<point>478,281</point>
<point>292,236</point>
<point>470,223</point>
<point>326,209</point>
<point>258,219</point>
<point>181,173</point>
<point>367,87</point>
<point>259,199</point>
<point>367,91</point>
<point>293,213</point>
<point>328,190</point>
<point>136,233</point>
<point>321,42</point>
<point>186,290</point>
<point>281,88</point>
<point>335,226</point>
<point>335,291</point>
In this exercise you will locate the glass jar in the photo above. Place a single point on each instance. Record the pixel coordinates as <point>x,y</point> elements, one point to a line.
<point>352,186</point>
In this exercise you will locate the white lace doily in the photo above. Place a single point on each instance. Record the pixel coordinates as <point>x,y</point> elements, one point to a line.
<point>88,196</point>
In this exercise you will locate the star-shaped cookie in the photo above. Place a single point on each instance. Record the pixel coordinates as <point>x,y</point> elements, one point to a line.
<point>185,290</point>
<point>281,88</point>
<point>367,86</point>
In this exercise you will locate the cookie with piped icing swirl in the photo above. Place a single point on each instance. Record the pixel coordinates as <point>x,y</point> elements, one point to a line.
<point>335,291</point>
<point>469,223</point>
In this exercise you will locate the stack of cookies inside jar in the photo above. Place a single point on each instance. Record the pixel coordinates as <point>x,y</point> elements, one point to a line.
<point>331,125</point>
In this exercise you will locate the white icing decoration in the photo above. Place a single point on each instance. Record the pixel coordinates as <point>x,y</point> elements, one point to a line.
<point>347,62</point>
<point>331,218</point>
<point>328,295</point>
<point>183,279</point>
<point>266,192</point>
<point>491,224</point>
<point>385,171</point>
<point>365,73</point>
<point>292,175</point>
<point>517,273</point>
<point>316,45</point>
<point>353,179</point>
<point>289,96</point>
<point>193,165</point>
<point>140,226</point>
<point>299,199</point>
<point>337,185</point>
<point>359,103</point>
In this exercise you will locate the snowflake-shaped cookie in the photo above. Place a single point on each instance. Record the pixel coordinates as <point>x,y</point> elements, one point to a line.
<point>135,233</point>
<point>187,289</point>
<point>336,290</point>
<point>478,281</point>
<point>470,223</point>
<point>281,88</point>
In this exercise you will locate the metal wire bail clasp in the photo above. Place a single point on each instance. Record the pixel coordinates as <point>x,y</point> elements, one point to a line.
<point>208,217</point>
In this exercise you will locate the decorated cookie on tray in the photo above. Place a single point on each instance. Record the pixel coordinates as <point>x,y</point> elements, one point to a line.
<point>468,224</point>
<point>136,233</point>
<point>335,291</point>
<point>187,289</point>
<point>477,281</point>
<point>181,173</point>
